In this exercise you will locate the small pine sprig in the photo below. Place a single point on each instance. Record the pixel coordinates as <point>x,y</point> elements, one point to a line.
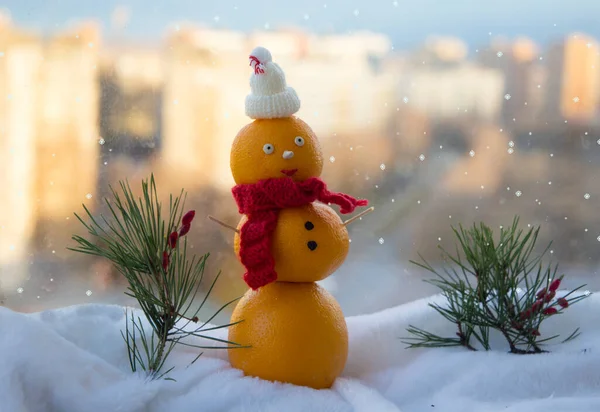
<point>152,254</point>
<point>495,285</point>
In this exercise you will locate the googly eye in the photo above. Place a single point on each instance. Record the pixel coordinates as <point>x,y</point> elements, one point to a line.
<point>299,141</point>
<point>268,148</point>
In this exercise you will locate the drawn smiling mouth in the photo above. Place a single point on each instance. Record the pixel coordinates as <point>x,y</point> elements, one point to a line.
<point>289,172</point>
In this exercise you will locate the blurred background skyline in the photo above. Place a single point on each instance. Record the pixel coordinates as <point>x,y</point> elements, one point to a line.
<point>406,22</point>
<point>439,115</point>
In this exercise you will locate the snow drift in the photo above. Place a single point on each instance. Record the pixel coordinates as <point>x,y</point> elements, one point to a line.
<point>74,359</point>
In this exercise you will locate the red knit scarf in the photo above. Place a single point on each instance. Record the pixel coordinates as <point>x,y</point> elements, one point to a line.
<point>261,203</point>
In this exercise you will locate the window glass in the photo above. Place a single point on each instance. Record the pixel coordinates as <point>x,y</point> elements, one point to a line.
<point>439,113</point>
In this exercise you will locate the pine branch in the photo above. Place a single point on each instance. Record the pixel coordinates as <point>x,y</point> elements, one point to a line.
<point>150,251</point>
<point>483,290</point>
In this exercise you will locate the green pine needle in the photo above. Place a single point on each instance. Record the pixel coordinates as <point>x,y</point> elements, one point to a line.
<point>493,284</point>
<point>134,238</point>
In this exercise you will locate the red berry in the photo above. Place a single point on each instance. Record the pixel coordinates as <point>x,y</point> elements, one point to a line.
<point>526,315</point>
<point>554,285</point>
<point>549,296</point>
<point>188,217</point>
<point>563,302</point>
<point>535,332</point>
<point>550,311</point>
<point>541,294</point>
<point>173,239</point>
<point>537,305</point>
<point>165,260</point>
<point>184,230</point>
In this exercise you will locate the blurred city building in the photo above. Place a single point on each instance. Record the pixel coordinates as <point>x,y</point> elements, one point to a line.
<point>131,81</point>
<point>48,135</point>
<point>67,132</point>
<point>203,104</point>
<point>439,50</point>
<point>20,65</point>
<point>460,90</point>
<point>524,75</point>
<point>574,79</point>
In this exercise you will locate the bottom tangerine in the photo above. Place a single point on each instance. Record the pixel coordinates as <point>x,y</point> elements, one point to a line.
<point>296,332</point>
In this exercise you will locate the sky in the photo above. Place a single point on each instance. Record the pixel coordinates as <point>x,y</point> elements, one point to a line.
<point>407,22</point>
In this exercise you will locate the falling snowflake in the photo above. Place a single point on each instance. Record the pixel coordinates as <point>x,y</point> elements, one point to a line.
<point>381,241</point>
<point>422,157</point>
<point>510,150</point>
<point>306,17</point>
<point>20,290</point>
<point>1,54</point>
<point>472,153</point>
<point>511,144</point>
<point>88,292</point>
<point>575,99</point>
<point>598,141</point>
<point>586,196</point>
<point>382,166</point>
<point>395,3</point>
<point>101,141</point>
<point>518,193</point>
<point>598,238</point>
<point>507,96</point>
<point>356,12</point>
<point>405,99</point>
<point>88,196</point>
<point>499,54</point>
<point>332,159</point>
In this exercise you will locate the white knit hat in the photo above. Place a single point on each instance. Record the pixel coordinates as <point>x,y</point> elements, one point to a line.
<point>270,97</point>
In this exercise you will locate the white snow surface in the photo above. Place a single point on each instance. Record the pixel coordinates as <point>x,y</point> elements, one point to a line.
<point>74,359</point>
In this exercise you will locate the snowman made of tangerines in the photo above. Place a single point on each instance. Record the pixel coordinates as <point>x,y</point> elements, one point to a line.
<point>289,237</point>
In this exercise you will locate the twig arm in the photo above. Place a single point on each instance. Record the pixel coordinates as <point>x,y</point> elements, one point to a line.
<point>217,221</point>
<point>361,214</point>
